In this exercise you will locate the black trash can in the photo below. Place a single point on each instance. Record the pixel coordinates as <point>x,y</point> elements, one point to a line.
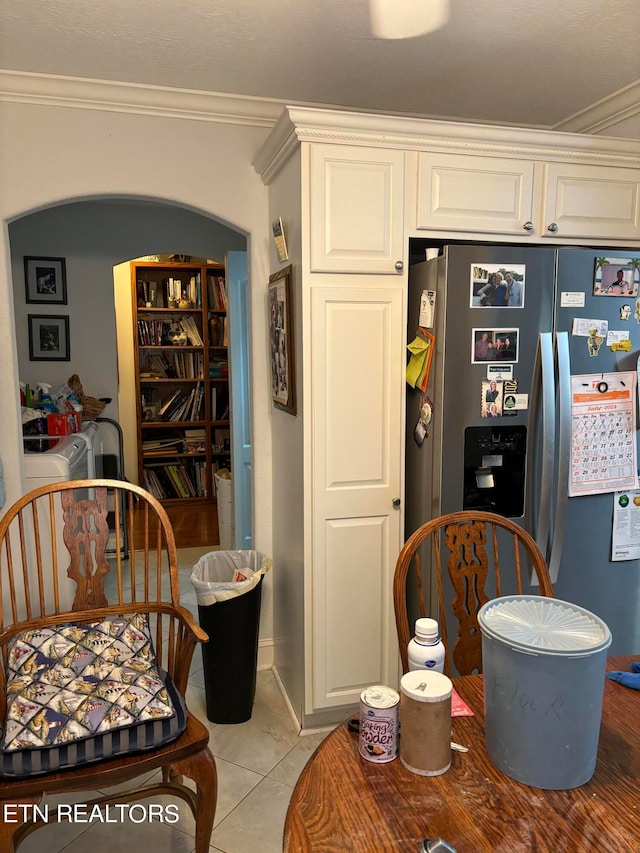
<point>232,621</point>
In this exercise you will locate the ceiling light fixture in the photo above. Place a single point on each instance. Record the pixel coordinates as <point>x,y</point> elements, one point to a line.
<point>403,19</point>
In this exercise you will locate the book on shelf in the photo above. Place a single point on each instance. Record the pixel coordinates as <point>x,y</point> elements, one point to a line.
<point>184,405</point>
<point>175,413</point>
<point>152,484</point>
<point>158,443</point>
<point>195,440</point>
<point>217,292</point>
<point>188,325</point>
<point>195,401</point>
<point>168,403</point>
<point>171,480</point>
<point>194,291</point>
<point>162,447</point>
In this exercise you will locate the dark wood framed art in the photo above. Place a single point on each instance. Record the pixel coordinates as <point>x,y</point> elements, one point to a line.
<point>282,341</point>
<point>49,337</point>
<point>45,281</point>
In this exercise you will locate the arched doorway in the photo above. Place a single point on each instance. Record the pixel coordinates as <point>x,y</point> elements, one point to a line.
<point>93,236</point>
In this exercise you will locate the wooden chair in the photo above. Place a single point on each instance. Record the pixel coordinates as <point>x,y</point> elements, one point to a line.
<point>472,544</point>
<point>54,570</point>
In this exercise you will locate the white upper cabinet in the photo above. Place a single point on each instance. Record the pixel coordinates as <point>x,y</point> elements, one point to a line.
<point>356,209</point>
<point>598,202</point>
<point>466,193</point>
<point>527,198</point>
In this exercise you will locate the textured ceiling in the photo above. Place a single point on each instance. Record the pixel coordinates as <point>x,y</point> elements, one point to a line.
<point>509,61</point>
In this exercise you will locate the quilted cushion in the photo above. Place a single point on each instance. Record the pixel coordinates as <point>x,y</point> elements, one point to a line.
<point>81,693</point>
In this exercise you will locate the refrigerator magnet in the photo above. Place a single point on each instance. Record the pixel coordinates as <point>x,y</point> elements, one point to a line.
<point>425,413</point>
<point>499,371</point>
<point>419,433</point>
<point>510,397</point>
<point>427,309</point>
<point>625,312</point>
<point>594,342</point>
<point>491,399</point>
<point>494,345</point>
<point>515,403</point>
<point>616,277</point>
<point>614,337</point>
<point>426,410</point>
<point>497,286</point>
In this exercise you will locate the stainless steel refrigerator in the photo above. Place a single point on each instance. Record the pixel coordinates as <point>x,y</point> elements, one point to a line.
<point>516,461</point>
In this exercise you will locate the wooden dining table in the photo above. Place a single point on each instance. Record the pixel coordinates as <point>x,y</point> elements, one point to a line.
<point>342,802</point>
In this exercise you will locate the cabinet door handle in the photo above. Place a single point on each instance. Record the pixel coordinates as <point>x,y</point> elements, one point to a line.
<point>399,266</point>
<point>528,226</point>
<point>395,503</point>
<point>553,228</point>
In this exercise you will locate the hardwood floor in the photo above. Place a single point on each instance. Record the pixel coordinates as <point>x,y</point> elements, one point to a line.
<point>194,526</point>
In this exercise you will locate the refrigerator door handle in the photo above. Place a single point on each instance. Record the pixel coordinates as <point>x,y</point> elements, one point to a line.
<point>564,453</point>
<point>546,369</point>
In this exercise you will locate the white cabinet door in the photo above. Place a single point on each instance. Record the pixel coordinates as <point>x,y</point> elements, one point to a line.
<point>592,201</point>
<point>357,202</point>
<point>358,360</point>
<point>465,193</point>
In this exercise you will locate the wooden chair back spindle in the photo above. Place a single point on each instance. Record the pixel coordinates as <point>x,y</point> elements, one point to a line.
<point>470,544</point>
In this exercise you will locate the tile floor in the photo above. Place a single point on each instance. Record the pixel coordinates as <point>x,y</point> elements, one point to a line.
<point>258,764</point>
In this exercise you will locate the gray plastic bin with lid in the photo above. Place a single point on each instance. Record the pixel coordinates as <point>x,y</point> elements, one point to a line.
<point>228,587</point>
<point>543,665</point>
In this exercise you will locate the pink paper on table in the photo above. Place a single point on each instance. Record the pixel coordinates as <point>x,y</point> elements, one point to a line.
<point>459,707</point>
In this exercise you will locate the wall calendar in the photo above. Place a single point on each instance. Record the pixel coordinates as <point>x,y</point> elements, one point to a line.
<point>603,430</point>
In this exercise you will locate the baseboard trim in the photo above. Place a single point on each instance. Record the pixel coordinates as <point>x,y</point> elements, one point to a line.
<point>266,653</point>
<point>287,701</point>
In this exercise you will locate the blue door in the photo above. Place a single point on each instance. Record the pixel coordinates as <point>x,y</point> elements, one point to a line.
<point>239,366</point>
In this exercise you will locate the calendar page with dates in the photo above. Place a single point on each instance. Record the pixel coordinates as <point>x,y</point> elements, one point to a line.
<point>603,433</point>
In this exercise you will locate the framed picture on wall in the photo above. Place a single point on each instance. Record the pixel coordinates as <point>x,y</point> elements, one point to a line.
<point>45,280</point>
<point>281,339</point>
<point>49,337</point>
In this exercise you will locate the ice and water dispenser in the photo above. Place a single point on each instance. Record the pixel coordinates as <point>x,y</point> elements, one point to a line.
<point>494,469</point>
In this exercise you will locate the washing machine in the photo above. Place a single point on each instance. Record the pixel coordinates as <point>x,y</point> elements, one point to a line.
<point>72,457</point>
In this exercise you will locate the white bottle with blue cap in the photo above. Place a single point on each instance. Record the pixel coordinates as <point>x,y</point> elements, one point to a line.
<point>426,650</point>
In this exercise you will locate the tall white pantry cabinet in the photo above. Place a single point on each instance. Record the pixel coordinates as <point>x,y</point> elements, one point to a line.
<point>351,190</point>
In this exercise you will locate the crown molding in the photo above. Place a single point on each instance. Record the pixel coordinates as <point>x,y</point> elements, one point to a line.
<point>300,124</point>
<point>49,90</point>
<point>605,113</point>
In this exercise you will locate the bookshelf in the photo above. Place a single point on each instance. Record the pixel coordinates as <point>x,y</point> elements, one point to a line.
<point>182,378</point>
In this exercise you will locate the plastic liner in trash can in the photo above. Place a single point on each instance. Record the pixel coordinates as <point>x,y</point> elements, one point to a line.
<point>228,586</point>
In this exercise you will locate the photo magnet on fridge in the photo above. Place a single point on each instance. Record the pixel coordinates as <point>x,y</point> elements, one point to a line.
<point>497,286</point>
<point>491,399</point>
<point>616,277</point>
<point>494,345</point>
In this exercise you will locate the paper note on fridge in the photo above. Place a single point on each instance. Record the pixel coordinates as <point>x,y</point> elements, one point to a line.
<point>625,541</point>
<point>616,337</point>
<point>421,349</point>
<point>427,309</point>
<point>572,299</point>
<point>584,328</point>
